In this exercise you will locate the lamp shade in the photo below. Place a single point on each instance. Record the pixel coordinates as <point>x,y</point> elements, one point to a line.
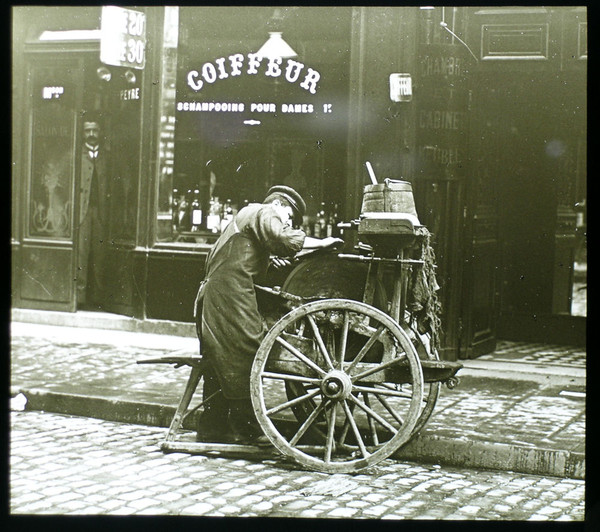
<point>276,47</point>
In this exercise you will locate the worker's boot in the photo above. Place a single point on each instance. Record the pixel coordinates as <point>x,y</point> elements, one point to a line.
<point>243,424</point>
<point>211,427</point>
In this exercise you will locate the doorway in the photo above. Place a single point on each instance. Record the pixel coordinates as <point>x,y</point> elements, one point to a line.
<point>62,264</point>
<point>108,177</point>
<point>48,200</point>
<point>533,161</point>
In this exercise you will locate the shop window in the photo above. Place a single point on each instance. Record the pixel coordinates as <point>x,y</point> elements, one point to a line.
<point>230,129</point>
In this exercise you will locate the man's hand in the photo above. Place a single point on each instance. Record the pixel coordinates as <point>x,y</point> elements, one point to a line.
<point>311,243</point>
<point>331,242</point>
<point>278,262</point>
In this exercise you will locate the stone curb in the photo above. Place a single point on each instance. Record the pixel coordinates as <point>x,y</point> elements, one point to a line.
<point>494,455</point>
<point>423,448</point>
<point>99,320</point>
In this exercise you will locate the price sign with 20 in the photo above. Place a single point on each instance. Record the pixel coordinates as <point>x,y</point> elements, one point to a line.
<point>123,37</point>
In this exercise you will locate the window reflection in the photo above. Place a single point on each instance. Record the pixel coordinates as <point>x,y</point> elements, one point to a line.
<point>579,295</point>
<point>52,155</point>
<point>223,146</point>
<point>166,197</point>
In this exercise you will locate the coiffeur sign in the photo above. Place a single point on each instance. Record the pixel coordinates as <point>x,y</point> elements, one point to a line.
<point>251,64</point>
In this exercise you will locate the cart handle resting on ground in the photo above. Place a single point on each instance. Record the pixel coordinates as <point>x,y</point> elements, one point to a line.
<point>343,377</point>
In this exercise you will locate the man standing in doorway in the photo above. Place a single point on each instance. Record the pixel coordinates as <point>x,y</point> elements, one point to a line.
<point>93,202</point>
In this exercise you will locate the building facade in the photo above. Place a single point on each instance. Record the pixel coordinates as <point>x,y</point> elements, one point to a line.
<point>482,109</point>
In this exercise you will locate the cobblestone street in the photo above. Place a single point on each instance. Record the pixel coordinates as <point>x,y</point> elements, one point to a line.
<point>80,466</point>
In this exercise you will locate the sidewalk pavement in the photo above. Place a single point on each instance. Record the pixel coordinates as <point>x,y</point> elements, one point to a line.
<point>519,409</point>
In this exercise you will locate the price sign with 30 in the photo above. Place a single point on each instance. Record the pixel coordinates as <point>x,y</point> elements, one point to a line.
<point>123,37</point>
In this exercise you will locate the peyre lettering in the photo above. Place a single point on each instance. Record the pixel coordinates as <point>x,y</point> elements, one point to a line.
<point>130,94</point>
<point>233,65</point>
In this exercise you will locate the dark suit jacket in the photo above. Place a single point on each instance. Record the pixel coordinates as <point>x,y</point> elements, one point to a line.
<point>87,166</point>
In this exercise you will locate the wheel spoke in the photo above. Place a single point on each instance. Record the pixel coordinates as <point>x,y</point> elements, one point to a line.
<point>292,402</point>
<point>345,428</point>
<point>390,409</point>
<point>365,348</point>
<point>288,377</point>
<point>330,344</point>
<point>343,339</point>
<point>359,440</point>
<point>372,426</point>
<point>307,423</point>
<point>378,368</point>
<point>300,355</point>
<point>397,393</point>
<point>300,329</point>
<point>330,432</point>
<point>372,413</point>
<point>319,339</point>
<point>382,391</point>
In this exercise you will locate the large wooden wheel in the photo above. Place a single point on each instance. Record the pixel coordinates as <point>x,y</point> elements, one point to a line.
<point>357,385</point>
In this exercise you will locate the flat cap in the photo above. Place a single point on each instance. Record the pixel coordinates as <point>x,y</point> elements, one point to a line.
<point>293,198</point>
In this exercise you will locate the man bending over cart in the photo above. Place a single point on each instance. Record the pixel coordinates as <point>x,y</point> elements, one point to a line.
<point>228,322</point>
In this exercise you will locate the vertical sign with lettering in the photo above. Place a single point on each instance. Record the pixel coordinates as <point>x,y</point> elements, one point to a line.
<point>442,117</point>
<point>442,129</point>
<point>123,37</point>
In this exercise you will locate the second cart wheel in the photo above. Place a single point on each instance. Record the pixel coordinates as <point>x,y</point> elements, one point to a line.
<point>356,380</point>
<point>431,390</point>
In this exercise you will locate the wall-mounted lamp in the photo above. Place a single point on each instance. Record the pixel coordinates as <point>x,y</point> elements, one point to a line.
<point>276,47</point>
<point>103,73</point>
<point>130,76</point>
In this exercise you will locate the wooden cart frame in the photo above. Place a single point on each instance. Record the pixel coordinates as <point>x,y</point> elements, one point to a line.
<point>337,385</point>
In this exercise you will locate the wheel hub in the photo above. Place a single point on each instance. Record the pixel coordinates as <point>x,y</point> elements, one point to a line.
<point>336,385</point>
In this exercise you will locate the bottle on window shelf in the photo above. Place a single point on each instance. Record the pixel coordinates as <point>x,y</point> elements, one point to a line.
<point>183,218</point>
<point>213,219</point>
<point>332,221</point>
<point>227,215</point>
<point>196,211</point>
<point>188,212</point>
<point>175,210</point>
<point>306,225</point>
<point>321,222</point>
<point>316,228</point>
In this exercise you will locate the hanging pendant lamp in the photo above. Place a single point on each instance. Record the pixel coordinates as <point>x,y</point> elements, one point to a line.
<point>276,47</point>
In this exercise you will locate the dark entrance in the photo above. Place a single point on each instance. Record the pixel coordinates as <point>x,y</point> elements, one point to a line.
<point>76,229</point>
<point>531,136</point>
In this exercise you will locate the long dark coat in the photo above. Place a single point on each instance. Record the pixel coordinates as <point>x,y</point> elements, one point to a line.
<point>229,323</point>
